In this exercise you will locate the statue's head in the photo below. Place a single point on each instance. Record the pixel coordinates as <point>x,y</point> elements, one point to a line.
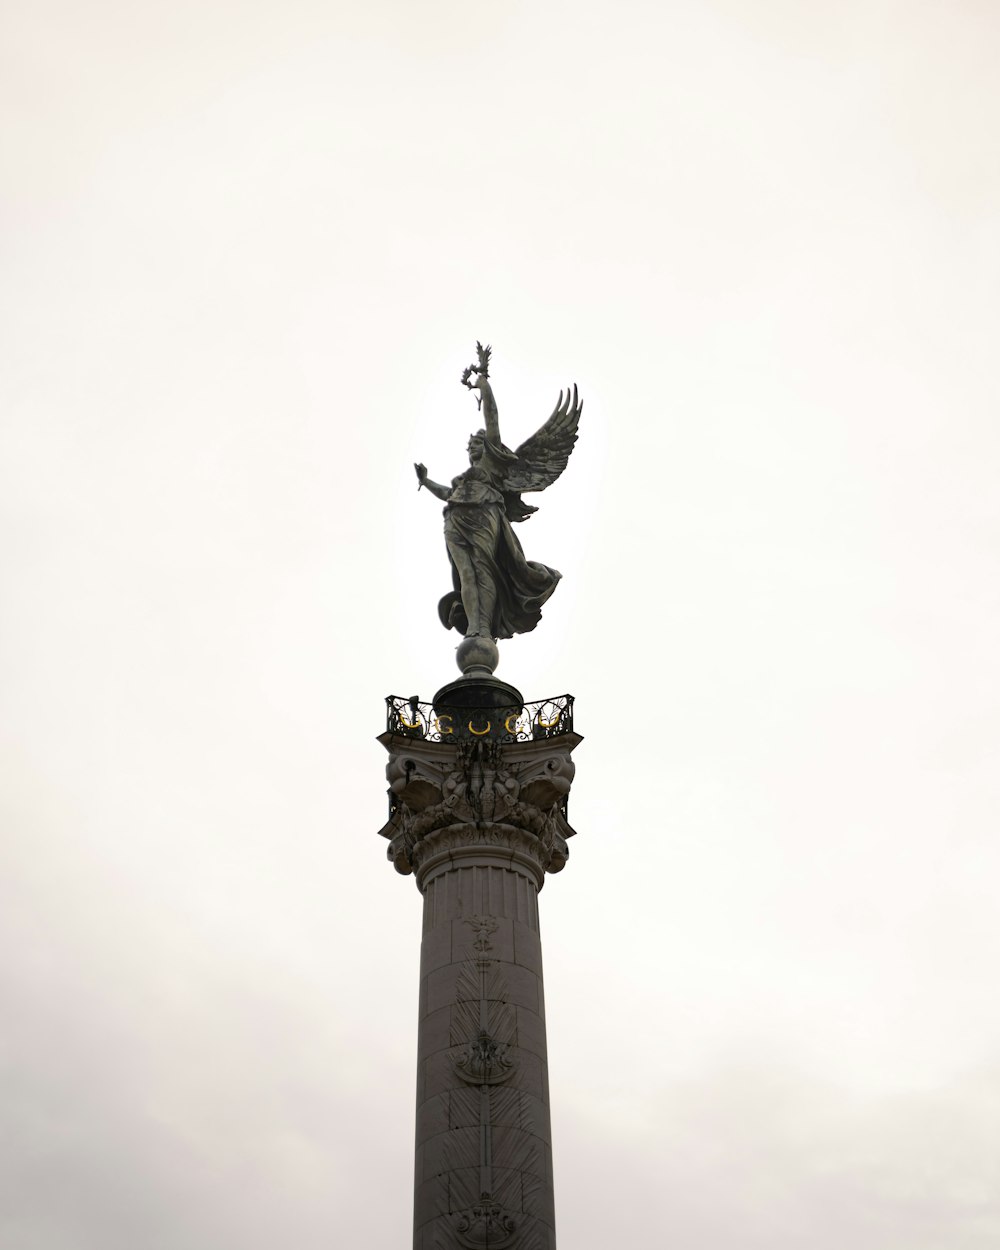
<point>477,445</point>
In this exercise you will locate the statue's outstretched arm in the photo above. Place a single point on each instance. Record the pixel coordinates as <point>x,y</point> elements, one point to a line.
<point>435,488</point>
<point>490,414</point>
<point>487,403</point>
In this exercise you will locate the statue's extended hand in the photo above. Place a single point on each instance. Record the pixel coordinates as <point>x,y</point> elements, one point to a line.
<point>421,474</point>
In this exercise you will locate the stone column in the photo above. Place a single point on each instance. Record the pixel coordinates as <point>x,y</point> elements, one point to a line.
<point>479,823</point>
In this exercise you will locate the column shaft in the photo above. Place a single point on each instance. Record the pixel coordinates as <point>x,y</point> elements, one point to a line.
<point>483,1142</point>
<point>480,824</point>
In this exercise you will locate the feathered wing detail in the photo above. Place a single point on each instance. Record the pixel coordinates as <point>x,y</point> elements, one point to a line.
<point>541,458</point>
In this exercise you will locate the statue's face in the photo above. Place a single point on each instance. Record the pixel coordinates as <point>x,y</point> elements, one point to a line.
<point>476,448</point>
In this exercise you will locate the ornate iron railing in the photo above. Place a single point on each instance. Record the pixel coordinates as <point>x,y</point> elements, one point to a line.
<point>547,718</point>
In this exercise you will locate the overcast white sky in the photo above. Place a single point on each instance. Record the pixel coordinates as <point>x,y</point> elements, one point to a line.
<point>246,252</point>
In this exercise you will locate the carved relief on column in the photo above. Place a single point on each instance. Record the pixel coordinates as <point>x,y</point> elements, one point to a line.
<point>448,803</point>
<point>484,1016</point>
<point>484,1060</point>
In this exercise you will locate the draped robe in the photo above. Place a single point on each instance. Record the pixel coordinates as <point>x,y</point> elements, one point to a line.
<point>476,522</point>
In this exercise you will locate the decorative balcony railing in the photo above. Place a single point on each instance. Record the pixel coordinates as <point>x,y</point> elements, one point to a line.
<point>409,718</point>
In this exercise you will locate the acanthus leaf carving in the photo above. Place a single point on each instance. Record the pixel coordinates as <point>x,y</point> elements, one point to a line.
<point>477,792</point>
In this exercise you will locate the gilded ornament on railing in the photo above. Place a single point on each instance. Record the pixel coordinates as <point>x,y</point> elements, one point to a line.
<point>546,718</point>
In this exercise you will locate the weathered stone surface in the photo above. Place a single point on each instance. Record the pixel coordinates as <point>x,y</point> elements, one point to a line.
<point>435,950</point>
<point>433,1116</point>
<point>527,947</point>
<point>435,1033</point>
<point>531,1031</point>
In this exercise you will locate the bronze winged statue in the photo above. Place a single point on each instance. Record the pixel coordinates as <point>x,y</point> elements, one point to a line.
<point>497,591</point>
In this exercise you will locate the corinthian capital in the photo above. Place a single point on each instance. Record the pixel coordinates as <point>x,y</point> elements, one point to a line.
<point>478,800</point>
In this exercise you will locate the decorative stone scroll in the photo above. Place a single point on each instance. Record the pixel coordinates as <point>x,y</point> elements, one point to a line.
<point>487,1225</point>
<point>478,795</point>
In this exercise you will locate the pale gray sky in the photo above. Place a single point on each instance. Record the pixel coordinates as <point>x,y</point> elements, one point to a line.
<point>246,252</point>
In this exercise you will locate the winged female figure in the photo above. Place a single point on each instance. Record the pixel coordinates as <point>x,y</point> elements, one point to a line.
<point>497,591</point>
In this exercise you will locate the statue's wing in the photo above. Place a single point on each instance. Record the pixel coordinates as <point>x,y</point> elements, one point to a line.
<point>541,458</point>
